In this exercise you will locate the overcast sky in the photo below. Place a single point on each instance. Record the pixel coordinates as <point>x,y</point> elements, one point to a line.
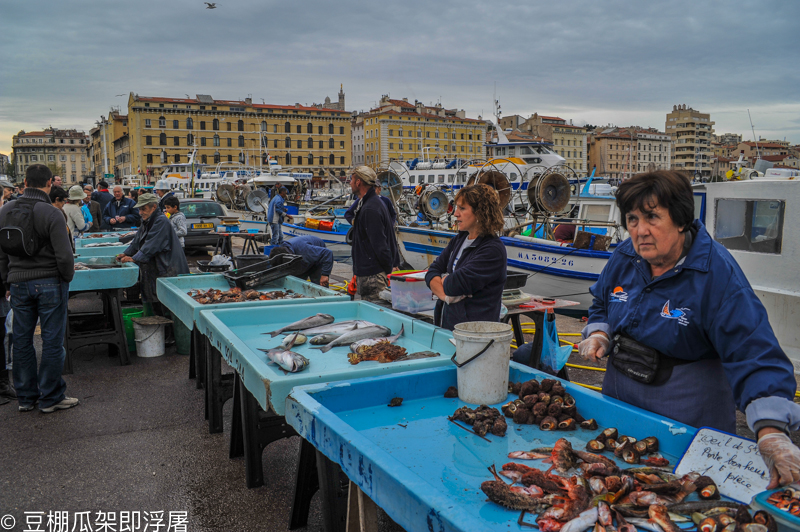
<point>621,62</point>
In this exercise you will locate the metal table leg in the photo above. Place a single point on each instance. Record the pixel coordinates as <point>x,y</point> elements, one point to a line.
<point>218,389</point>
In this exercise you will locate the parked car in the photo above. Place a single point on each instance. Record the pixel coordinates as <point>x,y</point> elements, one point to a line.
<point>202,217</point>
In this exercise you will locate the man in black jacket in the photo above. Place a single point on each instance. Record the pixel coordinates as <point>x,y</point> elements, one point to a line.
<point>374,244</point>
<point>39,287</point>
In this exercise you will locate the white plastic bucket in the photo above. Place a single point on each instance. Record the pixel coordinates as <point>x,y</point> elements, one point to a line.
<point>149,340</point>
<point>482,356</point>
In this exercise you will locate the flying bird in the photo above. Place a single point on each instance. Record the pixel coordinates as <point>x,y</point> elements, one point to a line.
<point>210,5</point>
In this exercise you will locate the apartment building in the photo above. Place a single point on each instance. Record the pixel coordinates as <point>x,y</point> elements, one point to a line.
<point>620,153</point>
<point>691,133</point>
<point>568,140</point>
<point>62,149</point>
<point>399,130</point>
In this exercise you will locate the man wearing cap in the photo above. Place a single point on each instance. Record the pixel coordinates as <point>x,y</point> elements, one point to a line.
<point>275,214</point>
<point>156,249</point>
<point>94,209</point>
<point>374,244</point>
<point>163,191</point>
<point>121,212</point>
<point>8,190</point>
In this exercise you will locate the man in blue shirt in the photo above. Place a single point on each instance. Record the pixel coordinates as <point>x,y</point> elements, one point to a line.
<point>275,214</point>
<point>317,259</point>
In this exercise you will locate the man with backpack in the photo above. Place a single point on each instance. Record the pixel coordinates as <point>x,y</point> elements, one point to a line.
<point>37,265</point>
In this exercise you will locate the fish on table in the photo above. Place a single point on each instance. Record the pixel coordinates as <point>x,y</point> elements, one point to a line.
<point>296,338</point>
<point>338,327</point>
<point>361,345</point>
<point>287,360</point>
<point>306,323</point>
<point>359,333</point>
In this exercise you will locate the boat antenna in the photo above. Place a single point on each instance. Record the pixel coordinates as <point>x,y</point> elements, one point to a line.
<point>758,151</point>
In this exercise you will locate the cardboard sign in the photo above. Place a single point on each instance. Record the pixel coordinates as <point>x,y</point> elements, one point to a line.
<point>733,462</point>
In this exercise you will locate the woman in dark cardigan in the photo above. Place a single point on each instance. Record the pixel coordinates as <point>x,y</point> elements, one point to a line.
<point>469,276</point>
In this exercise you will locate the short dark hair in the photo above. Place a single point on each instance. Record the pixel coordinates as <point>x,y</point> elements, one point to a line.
<point>37,175</point>
<point>666,188</point>
<point>277,251</point>
<point>102,184</point>
<point>56,192</point>
<point>172,201</point>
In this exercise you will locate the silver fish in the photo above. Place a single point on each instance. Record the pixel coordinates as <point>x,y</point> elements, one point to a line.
<point>369,342</point>
<point>418,355</point>
<point>645,524</point>
<point>305,323</point>
<point>359,333</point>
<point>339,327</point>
<point>293,339</point>
<point>287,360</point>
<point>326,338</point>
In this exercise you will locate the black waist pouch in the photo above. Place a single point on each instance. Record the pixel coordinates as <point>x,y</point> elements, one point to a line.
<point>641,362</point>
<point>635,360</point>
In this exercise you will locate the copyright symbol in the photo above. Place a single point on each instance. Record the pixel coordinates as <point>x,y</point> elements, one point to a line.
<point>7,522</point>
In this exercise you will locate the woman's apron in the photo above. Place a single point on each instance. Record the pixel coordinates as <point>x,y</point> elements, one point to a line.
<point>697,394</point>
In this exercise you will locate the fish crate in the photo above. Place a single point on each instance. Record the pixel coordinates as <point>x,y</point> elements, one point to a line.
<point>515,280</point>
<point>265,271</point>
<point>410,293</point>
<point>205,267</point>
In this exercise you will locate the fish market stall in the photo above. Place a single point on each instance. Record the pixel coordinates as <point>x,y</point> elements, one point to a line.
<point>174,293</point>
<point>106,277</point>
<point>431,472</point>
<point>104,251</point>
<point>263,386</point>
<point>100,238</point>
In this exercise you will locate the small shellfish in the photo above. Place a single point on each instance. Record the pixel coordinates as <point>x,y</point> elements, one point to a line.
<point>569,400</point>
<point>652,444</point>
<point>548,423</point>
<point>595,446</point>
<point>567,424</point>
<point>640,446</point>
<point>630,456</point>
<point>610,433</point>
<point>589,424</point>
<point>611,444</point>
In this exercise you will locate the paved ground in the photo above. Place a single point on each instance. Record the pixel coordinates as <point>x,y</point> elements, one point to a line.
<point>139,442</point>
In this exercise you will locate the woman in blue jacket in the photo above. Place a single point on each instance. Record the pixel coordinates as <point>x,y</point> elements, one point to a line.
<point>469,276</point>
<point>687,337</point>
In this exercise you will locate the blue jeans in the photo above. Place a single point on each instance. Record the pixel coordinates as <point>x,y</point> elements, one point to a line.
<point>277,234</point>
<point>45,300</point>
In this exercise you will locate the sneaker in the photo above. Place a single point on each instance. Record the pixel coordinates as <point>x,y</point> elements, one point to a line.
<point>25,408</point>
<point>68,402</point>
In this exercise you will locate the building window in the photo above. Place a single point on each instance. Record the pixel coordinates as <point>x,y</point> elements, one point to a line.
<point>202,125</point>
<point>230,158</point>
<point>330,143</point>
<point>341,130</point>
<point>177,158</point>
<point>319,130</point>
<point>175,124</point>
<point>750,225</point>
<point>230,142</point>
<point>176,141</point>
<point>162,122</point>
<point>331,159</point>
<point>240,125</point>
<point>263,125</point>
<point>288,142</point>
<point>341,160</point>
<point>341,144</point>
<point>189,123</point>
<point>330,129</point>
<point>162,139</point>
<point>275,143</point>
<point>202,141</point>
<point>287,128</point>
<point>216,140</point>
<point>215,125</point>
<point>299,159</point>
<point>241,141</point>
<point>203,159</point>
<point>149,158</point>
<point>148,140</point>
<point>146,124</point>
<point>216,157</point>
<point>309,128</point>
<point>321,144</point>
<point>310,159</point>
<point>391,145</point>
<point>189,139</point>
<point>310,143</point>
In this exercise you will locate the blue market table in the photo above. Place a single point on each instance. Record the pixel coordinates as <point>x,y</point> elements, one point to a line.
<point>205,360</point>
<point>262,388</point>
<point>105,327</point>
<point>423,470</point>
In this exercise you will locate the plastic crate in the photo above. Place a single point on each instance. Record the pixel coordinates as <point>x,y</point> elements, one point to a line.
<point>515,280</point>
<point>243,261</point>
<point>409,294</point>
<point>205,267</point>
<point>265,271</point>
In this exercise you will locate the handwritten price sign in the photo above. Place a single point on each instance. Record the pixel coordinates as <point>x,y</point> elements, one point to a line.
<point>733,462</point>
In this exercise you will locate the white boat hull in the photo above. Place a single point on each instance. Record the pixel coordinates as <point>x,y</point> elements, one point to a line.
<point>554,270</point>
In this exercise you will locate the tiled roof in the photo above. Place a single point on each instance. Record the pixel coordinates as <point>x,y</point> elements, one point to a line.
<point>235,103</point>
<point>551,117</point>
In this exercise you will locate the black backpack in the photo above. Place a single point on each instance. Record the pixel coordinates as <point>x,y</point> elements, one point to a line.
<point>18,237</point>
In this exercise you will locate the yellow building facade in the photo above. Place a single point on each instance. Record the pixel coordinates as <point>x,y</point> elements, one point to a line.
<point>164,131</point>
<point>399,130</point>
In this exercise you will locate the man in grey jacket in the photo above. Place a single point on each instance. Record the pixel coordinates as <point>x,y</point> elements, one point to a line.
<point>39,287</point>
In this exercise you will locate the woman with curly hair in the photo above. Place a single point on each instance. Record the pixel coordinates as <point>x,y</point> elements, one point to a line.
<point>468,277</point>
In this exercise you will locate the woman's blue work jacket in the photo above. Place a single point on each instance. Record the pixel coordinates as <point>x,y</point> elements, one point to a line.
<point>704,308</point>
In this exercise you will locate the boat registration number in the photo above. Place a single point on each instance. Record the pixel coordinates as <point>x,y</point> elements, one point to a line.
<point>202,226</point>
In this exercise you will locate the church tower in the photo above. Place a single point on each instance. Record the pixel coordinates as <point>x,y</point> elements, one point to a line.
<point>341,97</point>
